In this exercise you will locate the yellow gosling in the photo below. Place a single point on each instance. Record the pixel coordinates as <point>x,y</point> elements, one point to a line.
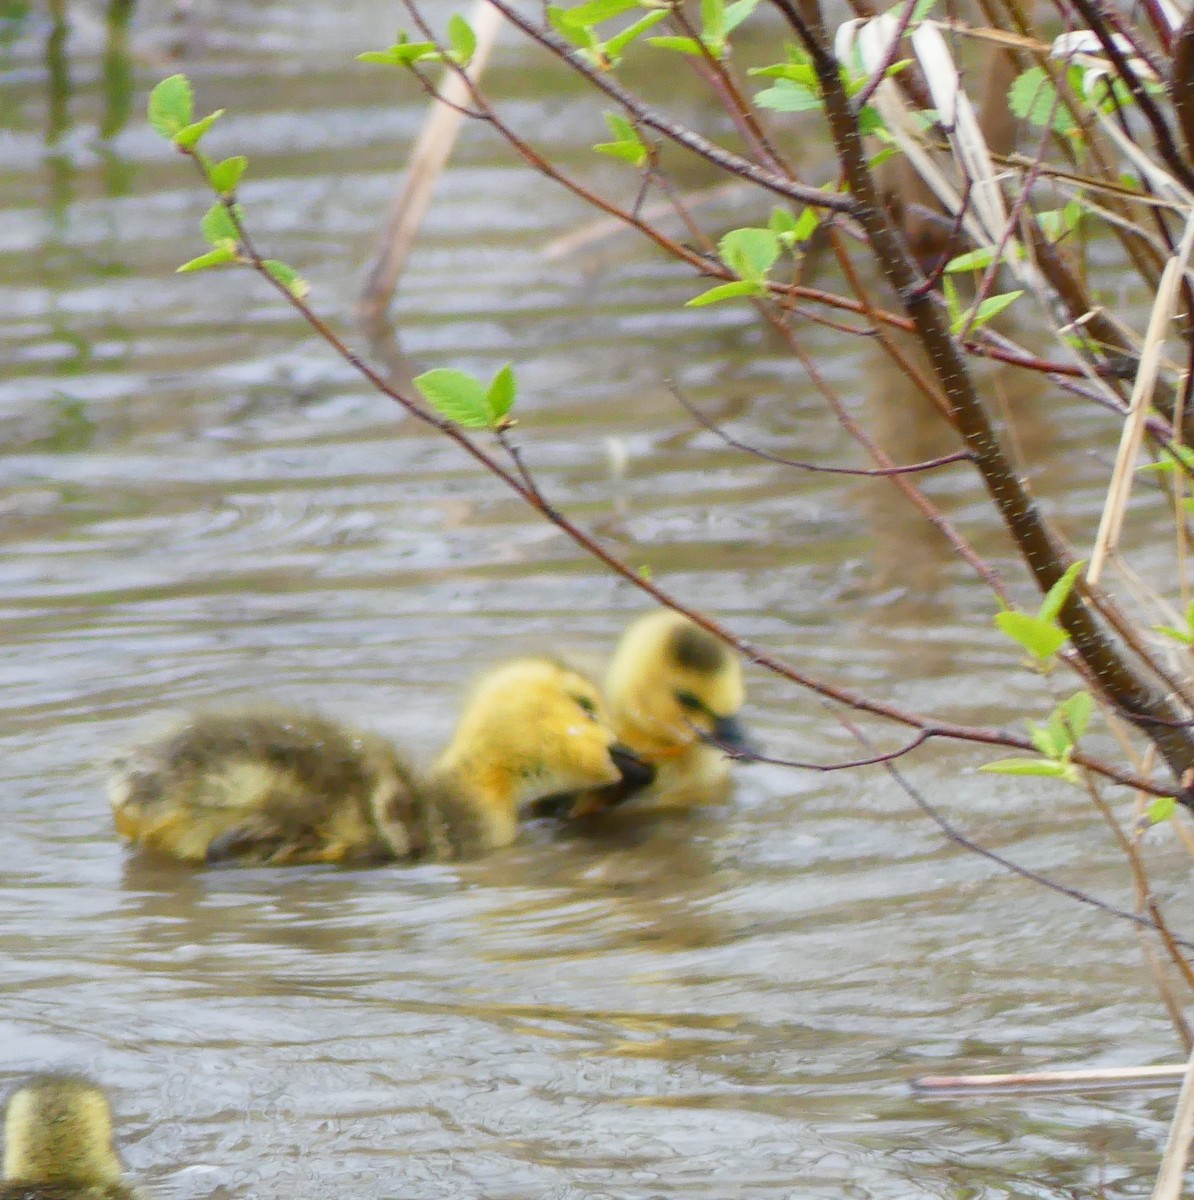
<point>276,787</point>
<point>673,692</point>
<point>58,1143</point>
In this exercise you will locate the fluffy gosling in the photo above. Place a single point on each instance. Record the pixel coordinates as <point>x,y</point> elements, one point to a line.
<point>279,787</point>
<point>673,692</point>
<point>58,1143</point>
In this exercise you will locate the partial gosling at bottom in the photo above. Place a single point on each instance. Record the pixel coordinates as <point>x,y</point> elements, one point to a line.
<point>278,787</point>
<point>58,1143</point>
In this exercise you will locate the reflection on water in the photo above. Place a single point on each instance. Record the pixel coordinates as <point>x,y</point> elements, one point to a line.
<point>199,504</point>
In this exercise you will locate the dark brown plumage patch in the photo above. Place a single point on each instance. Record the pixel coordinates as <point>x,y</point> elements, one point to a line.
<point>697,650</point>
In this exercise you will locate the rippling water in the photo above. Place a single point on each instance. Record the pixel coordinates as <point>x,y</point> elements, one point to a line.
<point>197,503</point>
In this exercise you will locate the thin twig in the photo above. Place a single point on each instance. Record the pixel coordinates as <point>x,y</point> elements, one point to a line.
<point>756,451</point>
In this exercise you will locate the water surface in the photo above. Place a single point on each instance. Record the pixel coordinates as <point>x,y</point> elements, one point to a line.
<point>199,503</point>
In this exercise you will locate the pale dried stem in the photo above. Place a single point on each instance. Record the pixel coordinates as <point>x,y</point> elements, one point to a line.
<point>1177,1148</point>
<point>1120,490</point>
<point>427,162</point>
<point>1084,1077</point>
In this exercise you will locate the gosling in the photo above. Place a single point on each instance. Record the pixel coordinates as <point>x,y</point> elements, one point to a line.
<point>58,1143</point>
<point>279,787</point>
<point>673,692</point>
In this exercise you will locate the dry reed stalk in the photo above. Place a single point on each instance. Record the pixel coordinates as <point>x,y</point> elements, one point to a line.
<point>1082,1077</point>
<point>427,161</point>
<point>872,40</point>
<point>1120,489</point>
<point>1177,1148</point>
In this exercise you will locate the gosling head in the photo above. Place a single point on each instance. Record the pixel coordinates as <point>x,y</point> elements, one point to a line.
<point>532,728</point>
<point>671,684</point>
<point>58,1129</point>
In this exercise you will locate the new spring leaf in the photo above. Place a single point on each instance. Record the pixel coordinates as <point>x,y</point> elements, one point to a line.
<point>465,400</point>
<point>171,105</point>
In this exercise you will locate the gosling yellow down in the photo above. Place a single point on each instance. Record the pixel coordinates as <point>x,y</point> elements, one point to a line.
<point>673,692</point>
<point>58,1143</point>
<point>278,787</point>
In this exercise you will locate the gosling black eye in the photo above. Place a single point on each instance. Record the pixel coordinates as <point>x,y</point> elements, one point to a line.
<point>689,701</point>
<point>587,706</point>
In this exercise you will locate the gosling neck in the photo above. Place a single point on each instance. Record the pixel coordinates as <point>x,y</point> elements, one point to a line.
<point>648,737</point>
<point>477,800</point>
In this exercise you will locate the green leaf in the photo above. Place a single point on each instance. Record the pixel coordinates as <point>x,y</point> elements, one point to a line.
<point>1076,712</point>
<point>224,253</point>
<point>593,13</point>
<point>631,151</point>
<point>713,22</point>
<point>171,105</point>
<point>461,38</point>
<point>990,308</point>
<point>1034,98</point>
<point>225,176</point>
<point>682,45</point>
<point>1161,810</point>
<point>1172,456</point>
<point>458,396</point>
<point>1059,593</point>
<point>726,291</point>
<point>807,224</point>
<point>217,226</point>
<point>878,159</point>
<point>781,221</point>
<point>189,135</point>
<point>786,96</point>
<point>949,290</point>
<point>737,12</point>
<point>802,74</point>
<point>750,253</point>
<point>896,67</point>
<point>869,121</point>
<point>616,45</point>
<point>1046,740</point>
<point>975,260</point>
<point>288,277</point>
<point>1027,766</point>
<point>1040,638</point>
<point>502,391</point>
<point>578,33</point>
<point>1060,735</point>
<point>621,127</point>
<point>401,54</point>
<point>1057,222</point>
<point>629,145</point>
<point>919,13</point>
<point>1178,635</point>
